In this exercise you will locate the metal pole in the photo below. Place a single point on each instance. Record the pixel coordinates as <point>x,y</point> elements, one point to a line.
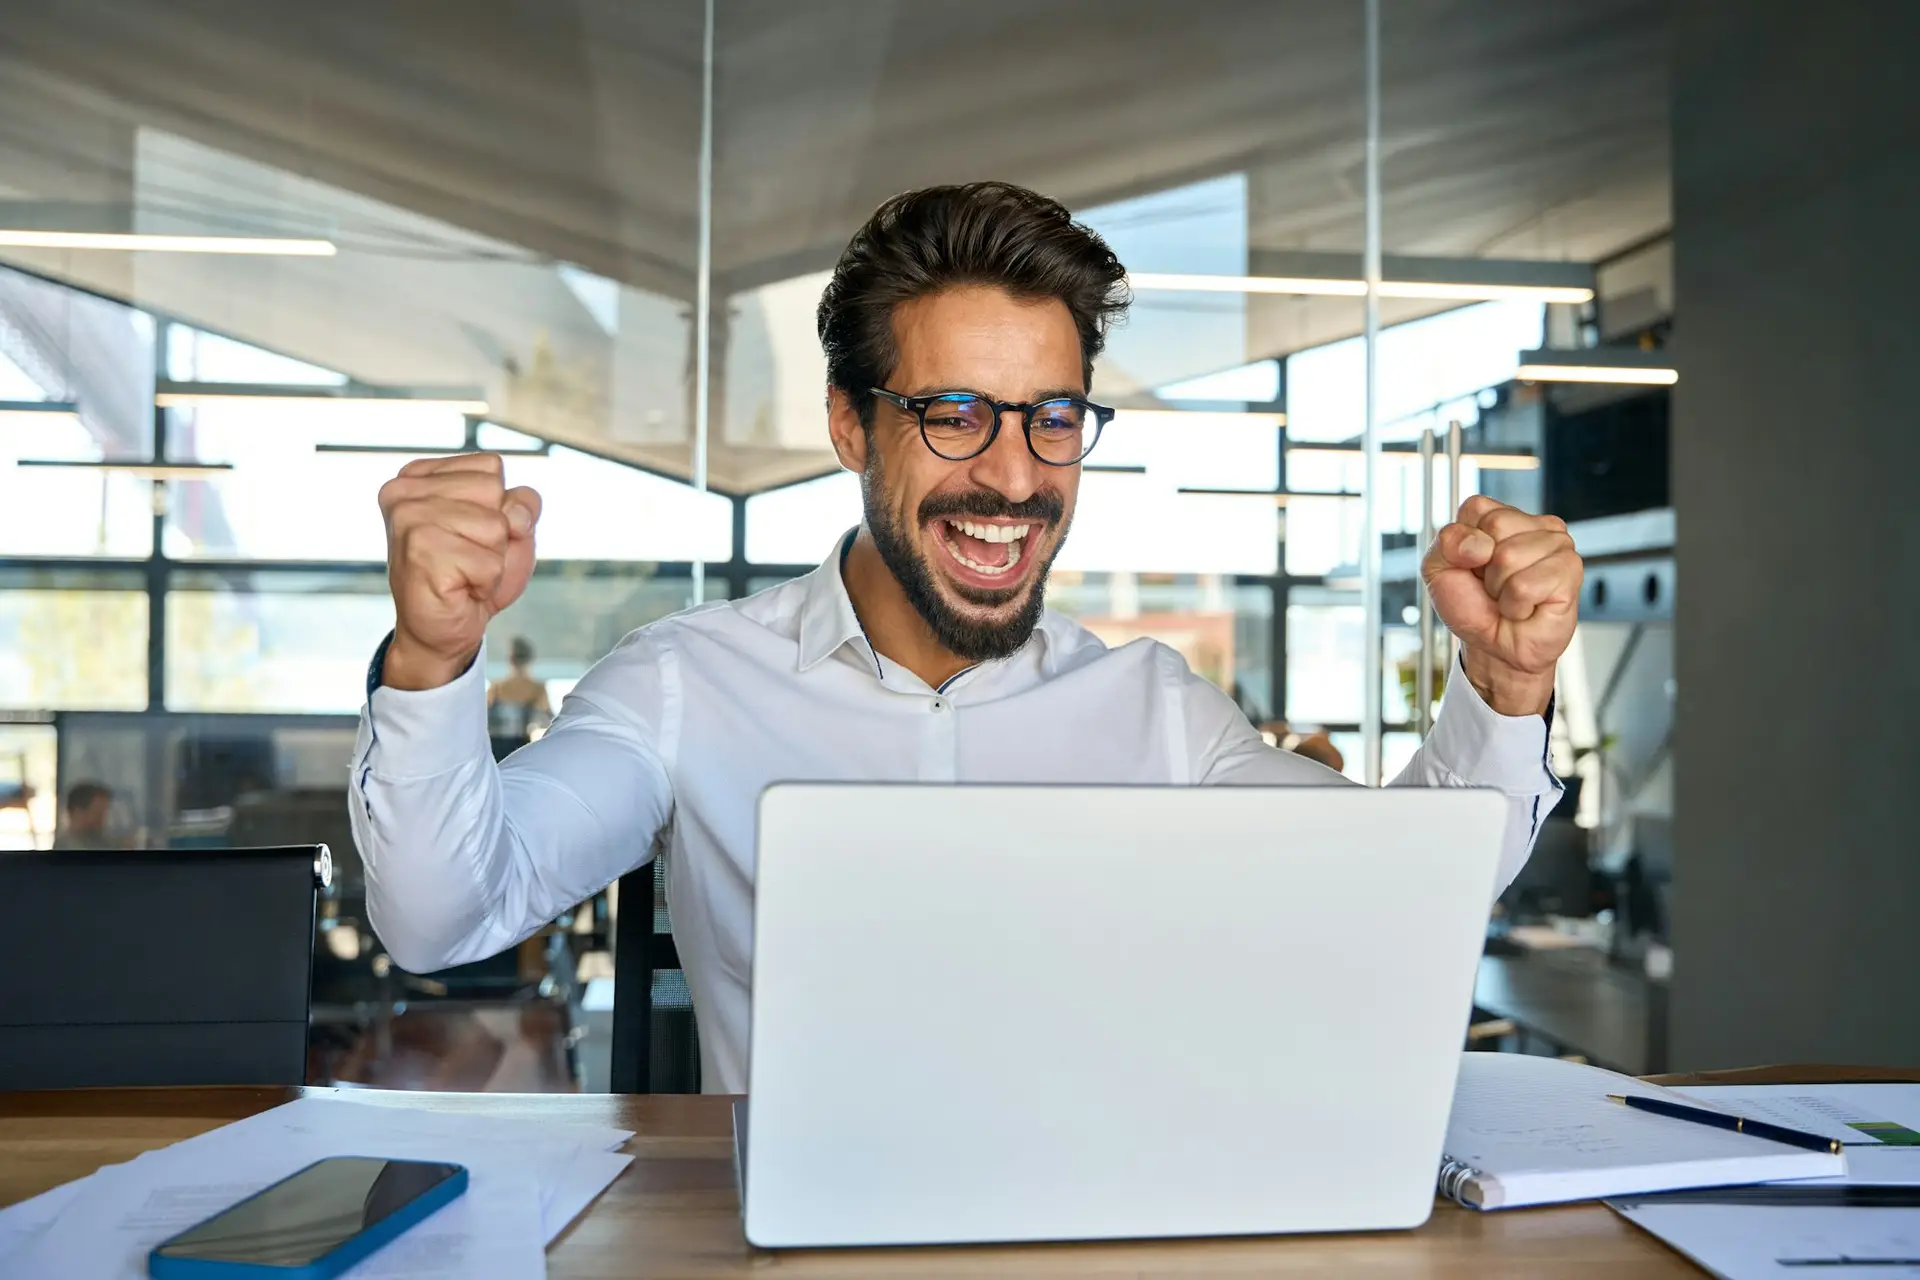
<point>1373,664</point>
<point>1454,499</point>
<point>703,291</point>
<point>1423,679</point>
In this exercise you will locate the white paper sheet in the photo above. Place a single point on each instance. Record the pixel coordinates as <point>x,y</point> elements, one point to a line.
<point>21,1223</point>
<point>1745,1242</point>
<point>1853,1113</point>
<point>528,1181</point>
<point>493,1231</point>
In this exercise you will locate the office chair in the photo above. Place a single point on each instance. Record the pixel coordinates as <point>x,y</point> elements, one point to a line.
<point>168,967</point>
<point>642,951</point>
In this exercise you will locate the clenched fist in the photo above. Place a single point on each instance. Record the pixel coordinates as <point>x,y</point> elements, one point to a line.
<point>459,550</point>
<point>1508,585</point>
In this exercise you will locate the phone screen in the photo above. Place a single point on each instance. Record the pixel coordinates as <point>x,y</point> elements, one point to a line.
<point>296,1222</point>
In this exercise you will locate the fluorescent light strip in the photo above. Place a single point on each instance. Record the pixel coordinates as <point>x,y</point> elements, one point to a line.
<point>1338,288</point>
<point>1646,376</point>
<point>1196,417</point>
<point>190,399</point>
<point>1485,461</point>
<point>129,242</point>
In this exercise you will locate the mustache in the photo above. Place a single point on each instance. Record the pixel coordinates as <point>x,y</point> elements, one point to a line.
<point>1045,505</point>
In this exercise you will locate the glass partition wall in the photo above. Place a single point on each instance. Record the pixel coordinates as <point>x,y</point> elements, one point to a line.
<point>594,240</point>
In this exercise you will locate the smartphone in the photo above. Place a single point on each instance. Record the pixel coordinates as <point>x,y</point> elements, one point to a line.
<point>313,1224</point>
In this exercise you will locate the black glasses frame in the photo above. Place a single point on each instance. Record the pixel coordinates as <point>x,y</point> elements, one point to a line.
<point>918,406</point>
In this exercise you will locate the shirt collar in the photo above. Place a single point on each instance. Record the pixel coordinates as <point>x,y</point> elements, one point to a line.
<point>827,619</point>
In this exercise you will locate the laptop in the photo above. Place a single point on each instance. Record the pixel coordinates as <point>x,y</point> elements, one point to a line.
<point>1023,1013</point>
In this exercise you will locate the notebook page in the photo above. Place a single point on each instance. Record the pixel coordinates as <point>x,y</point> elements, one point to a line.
<point>1542,1130</point>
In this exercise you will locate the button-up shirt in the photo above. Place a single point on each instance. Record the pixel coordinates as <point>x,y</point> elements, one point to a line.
<point>666,744</point>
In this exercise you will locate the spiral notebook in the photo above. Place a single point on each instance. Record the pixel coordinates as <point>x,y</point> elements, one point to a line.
<point>1527,1130</point>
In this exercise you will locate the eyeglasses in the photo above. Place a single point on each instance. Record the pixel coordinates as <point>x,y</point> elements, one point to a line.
<point>958,425</point>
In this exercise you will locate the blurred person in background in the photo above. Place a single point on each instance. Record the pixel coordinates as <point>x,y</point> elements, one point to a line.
<point>1318,747</point>
<point>517,703</point>
<point>89,805</point>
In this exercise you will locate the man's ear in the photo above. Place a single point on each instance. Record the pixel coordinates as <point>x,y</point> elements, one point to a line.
<point>850,439</point>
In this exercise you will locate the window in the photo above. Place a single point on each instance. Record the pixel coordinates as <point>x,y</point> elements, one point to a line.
<point>73,643</point>
<point>1430,371</point>
<point>67,511</point>
<point>1324,659</point>
<point>288,642</point>
<point>1224,631</point>
<point>574,614</point>
<point>283,500</point>
<point>802,523</point>
<point>29,809</point>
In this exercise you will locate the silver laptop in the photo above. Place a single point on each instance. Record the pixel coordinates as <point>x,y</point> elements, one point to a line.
<point>992,1013</point>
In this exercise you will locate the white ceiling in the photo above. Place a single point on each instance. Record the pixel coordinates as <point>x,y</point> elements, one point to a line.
<point>458,151</point>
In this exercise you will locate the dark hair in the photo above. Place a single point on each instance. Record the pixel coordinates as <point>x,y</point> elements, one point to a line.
<point>989,233</point>
<point>520,651</point>
<point>83,794</point>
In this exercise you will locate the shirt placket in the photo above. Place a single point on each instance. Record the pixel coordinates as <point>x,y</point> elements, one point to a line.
<point>938,740</point>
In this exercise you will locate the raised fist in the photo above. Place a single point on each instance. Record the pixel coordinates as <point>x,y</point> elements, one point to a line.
<point>459,550</point>
<point>1508,584</point>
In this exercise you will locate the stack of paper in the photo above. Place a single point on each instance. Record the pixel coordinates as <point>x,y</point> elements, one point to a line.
<point>528,1181</point>
<point>1865,1223</point>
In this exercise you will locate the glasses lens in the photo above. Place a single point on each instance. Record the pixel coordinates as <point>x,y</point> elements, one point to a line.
<point>1063,431</point>
<point>957,426</point>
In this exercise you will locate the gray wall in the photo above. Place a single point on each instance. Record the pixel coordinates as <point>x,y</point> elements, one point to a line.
<point>1797,483</point>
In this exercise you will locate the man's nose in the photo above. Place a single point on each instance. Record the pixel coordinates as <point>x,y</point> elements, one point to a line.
<point>1008,466</point>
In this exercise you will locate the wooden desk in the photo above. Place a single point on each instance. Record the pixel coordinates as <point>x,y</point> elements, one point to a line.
<point>675,1211</point>
<point>1579,1001</point>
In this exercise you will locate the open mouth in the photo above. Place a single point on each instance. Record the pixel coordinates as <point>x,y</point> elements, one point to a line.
<point>983,553</point>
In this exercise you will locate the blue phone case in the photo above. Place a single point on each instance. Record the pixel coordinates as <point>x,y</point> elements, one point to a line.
<point>161,1267</point>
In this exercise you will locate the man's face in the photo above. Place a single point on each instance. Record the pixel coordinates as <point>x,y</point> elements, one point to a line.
<point>92,816</point>
<point>971,542</point>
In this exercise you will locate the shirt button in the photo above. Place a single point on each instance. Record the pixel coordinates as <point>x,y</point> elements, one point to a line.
<point>938,705</point>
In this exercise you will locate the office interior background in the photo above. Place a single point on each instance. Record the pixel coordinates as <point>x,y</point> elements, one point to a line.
<point>1643,265</point>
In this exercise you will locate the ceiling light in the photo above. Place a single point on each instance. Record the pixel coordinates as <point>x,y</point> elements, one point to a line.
<point>1466,291</point>
<point>178,395</point>
<point>1628,365</point>
<point>1596,373</point>
<point>1513,460</point>
<point>1449,291</point>
<point>1186,283</point>
<point>145,470</point>
<point>1501,461</point>
<point>130,242</point>
<point>1200,417</point>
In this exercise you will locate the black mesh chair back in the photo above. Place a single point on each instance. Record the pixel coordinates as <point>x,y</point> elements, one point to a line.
<point>179,967</point>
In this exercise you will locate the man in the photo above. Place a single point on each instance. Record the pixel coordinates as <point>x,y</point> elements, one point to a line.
<point>960,329</point>
<point>89,805</point>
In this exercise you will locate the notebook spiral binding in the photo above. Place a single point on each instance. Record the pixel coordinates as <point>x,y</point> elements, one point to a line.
<point>1454,1177</point>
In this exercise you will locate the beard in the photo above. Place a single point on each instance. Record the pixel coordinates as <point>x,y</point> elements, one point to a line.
<point>965,636</point>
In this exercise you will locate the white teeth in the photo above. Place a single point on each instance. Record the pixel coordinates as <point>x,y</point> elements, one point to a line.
<point>991,532</point>
<point>991,570</point>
